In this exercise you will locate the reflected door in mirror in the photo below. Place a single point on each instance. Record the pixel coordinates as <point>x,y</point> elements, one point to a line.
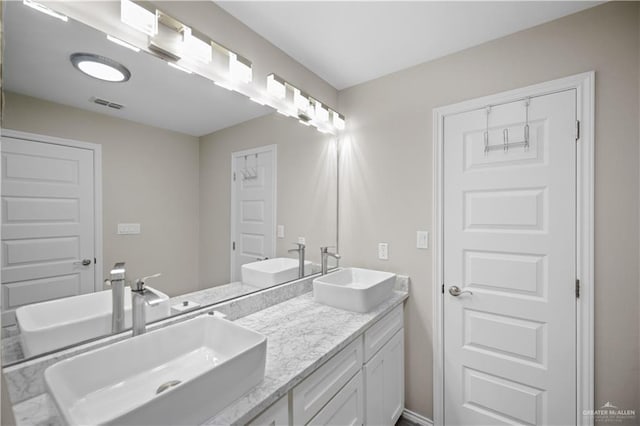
<point>47,223</point>
<point>253,209</point>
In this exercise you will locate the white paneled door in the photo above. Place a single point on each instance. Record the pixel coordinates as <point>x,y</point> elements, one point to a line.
<point>510,264</point>
<point>253,207</point>
<point>47,223</point>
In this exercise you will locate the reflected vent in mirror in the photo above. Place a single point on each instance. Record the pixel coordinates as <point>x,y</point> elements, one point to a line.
<point>106,103</point>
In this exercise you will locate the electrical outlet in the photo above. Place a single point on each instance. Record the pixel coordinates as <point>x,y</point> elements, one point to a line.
<point>422,239</point>
<point>383,251</point>
<point>280,231</point>
<point>302,240</point>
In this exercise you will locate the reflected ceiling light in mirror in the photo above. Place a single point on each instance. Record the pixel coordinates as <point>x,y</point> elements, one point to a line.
<point>122,43</point>
<point>276,87</point>
<point>178,67</point>
<point>100,67</point>
<point>196,48</point>
<point>44,9</point>
<point>240,68</point>
<point>138,17</point>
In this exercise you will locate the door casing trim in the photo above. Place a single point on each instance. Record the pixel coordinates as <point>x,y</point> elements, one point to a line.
<point>97,189</point>
<point>584,84</point>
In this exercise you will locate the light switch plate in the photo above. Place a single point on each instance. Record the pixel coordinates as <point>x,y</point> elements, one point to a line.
<point>383,251</point>
<point>280,231</point>
<point>128,228</point>
<point>422,239</point>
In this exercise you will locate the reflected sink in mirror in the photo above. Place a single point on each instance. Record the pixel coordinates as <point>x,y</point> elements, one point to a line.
<point>354,289</point>
<point>265,273</point>
<point>51,325</point>
<point>181,374</point>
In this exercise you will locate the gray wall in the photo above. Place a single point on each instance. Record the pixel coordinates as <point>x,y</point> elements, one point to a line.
<point>386,175</point>
<point>149,176</point>
<point>306,189</point>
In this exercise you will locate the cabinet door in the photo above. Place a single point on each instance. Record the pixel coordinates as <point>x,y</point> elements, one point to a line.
<point>345,408</point>
<point>276,415</point>
<point>384,383</point>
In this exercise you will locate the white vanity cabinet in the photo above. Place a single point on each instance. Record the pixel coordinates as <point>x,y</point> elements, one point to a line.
<point>384,369</point>
<point>363,384</point>
<point>384,383</point>
<point>276,415</point>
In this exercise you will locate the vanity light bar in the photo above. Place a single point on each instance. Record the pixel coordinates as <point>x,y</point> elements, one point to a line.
<point>122,43</point>
<point>276,86</point>
<point>178,67</point>
<point>44,9</point>
<point>196,47</point>
<point>338,120</point>
<point>178,40</point>
<point>240,68</point>
<point>138,17</point>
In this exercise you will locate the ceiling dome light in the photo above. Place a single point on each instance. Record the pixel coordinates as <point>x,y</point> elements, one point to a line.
<point>99,67</point>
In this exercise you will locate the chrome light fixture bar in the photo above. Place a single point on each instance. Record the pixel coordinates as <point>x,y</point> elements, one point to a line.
<point>46,10</point>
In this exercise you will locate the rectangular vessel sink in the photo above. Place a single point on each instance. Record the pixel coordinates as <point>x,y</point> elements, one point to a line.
<point>178,375</point>
<point>354,289</point>
<point>54,324</point>
<point>266,273</point>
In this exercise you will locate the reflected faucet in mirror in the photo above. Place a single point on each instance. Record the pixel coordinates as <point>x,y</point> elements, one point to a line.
<point>141,297</point>
<point>116,281</point>
<point>300,251</point>
<point>324,255</point>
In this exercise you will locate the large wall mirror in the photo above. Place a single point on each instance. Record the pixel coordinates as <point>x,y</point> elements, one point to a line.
<point>166,172</point>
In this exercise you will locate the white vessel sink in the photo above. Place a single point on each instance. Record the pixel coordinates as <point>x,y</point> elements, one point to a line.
<point>266,273</point>
<point>354,289</point>
<point>51,325</point>
<point>178,375</point>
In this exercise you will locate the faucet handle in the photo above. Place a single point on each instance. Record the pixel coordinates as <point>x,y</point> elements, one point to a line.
<point>301,247</point>
<point>139,284</point>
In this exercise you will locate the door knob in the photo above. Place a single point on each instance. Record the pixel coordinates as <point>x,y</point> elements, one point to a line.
<point>83,262</point>
<point>454,290</point>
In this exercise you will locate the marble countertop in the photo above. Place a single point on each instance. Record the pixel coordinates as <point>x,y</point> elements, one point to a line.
<point>301,336</point>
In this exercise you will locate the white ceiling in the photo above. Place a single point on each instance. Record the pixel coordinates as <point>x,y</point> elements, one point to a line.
<point>36,63</point>
<point>347,43</point>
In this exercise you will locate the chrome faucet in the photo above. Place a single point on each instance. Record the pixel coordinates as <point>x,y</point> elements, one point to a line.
<point>300,251</point>
<point>142,296</point>
<point>324,255</point>
<point>117,281</point>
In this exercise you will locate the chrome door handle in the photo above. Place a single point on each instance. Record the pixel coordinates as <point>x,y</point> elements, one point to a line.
<point>83,262</point>
<point>454,290</point>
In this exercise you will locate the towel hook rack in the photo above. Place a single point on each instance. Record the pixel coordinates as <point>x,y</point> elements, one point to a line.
<point>505,133</point>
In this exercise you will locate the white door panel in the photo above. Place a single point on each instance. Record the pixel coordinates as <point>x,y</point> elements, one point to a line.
<point>254,199</point>
<point>509,238</point>
<point>47,223</point>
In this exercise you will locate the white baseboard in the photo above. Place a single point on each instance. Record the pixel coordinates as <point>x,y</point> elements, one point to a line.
<point>416,418</point>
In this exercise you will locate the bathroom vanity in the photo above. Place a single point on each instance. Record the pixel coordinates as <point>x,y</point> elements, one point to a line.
<point>324,365</point>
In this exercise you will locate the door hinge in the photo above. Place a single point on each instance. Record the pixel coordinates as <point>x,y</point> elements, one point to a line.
<point>234,245</point>
<point>442,288</point>
<point>577,288</point>
<point>95,261</point>
<point>577,130</point>
<point>234,176</point>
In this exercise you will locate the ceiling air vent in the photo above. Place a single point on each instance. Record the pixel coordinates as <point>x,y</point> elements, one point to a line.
<point>106,103</point>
